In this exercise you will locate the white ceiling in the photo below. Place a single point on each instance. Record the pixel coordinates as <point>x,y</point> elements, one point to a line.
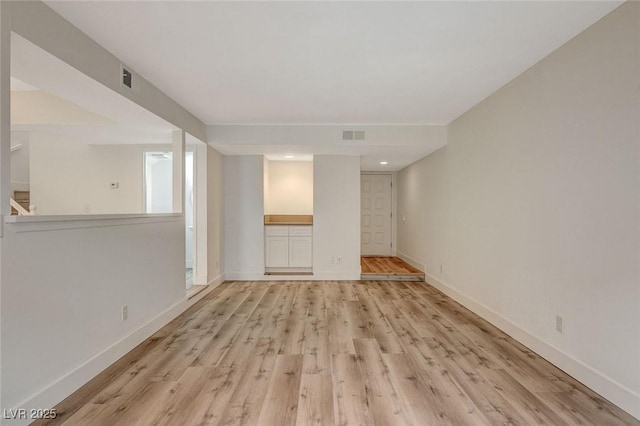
<point>323,62</point>
<point>330,62</point>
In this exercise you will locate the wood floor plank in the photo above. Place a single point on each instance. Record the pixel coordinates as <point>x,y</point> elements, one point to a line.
<point>335,352</point>
<point>317,358</point>
<point>385,406</point>
<point>528,405</point>
<point>315,404</point>
<point>210,403</point>
<point>280,406</point>
<point>413,391</point>
<point>379,326</point>
<point>339,331</point>
<point>245,404</point>
<point>495,408</point>
<point>179,401</point>
<point>351,406</point>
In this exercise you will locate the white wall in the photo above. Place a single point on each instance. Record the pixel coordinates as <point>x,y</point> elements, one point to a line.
<point>336,217</point>
<point>533,207</point>
<point>215,215</point>
<point>288,187</point>
<point>66,176</point>
<point>62,293</point>
<point>243,217</point>
<point>36,107</point>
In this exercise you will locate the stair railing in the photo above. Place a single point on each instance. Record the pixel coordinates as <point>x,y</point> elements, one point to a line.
<point>21,210</point>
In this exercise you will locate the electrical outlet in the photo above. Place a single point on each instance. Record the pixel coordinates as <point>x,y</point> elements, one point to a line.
<point>87,208</point>
<point>114,185</point>
<point>559,324</point>
<point>125,313</point>
<point>339,260</point>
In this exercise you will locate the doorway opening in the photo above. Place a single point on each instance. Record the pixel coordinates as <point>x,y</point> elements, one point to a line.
<point>158,166</point>
<point>188,217</point>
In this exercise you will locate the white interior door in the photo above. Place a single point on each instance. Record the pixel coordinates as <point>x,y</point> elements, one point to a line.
<point>375,220</point>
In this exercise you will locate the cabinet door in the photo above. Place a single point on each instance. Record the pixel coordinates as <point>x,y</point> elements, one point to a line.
<point>300,252</point>
<point>277,252</point>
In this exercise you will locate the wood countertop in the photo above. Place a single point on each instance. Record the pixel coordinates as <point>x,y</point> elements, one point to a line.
<point>288,219</point>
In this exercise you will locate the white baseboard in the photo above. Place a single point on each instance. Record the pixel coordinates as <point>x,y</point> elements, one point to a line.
<point>69,383</point>
<point>244,276</point>
<point>615,392</point>
<point>411,261</point>
<point>317,276</point>
<point>337,276</point>
<point>215,283</point>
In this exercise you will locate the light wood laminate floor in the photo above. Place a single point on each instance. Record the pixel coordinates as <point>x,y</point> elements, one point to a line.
<point>348,353</point>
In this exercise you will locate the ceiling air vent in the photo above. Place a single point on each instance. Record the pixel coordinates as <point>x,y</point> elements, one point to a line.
<point>353,135</point>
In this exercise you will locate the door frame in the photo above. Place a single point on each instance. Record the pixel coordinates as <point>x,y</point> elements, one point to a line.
<point>394,215</point>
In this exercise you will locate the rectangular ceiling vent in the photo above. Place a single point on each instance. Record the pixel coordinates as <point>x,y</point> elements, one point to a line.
<point>353,135</point>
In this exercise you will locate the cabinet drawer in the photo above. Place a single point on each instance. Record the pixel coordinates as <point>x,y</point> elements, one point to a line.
<point>276,231</point>
<point>300,231</point>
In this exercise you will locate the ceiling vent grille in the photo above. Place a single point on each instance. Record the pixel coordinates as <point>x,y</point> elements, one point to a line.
<point>353,135</point>
<point>129,79</point>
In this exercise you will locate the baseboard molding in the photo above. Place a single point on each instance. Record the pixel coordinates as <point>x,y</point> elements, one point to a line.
<point>615,392</point>
<point>72,381</point>
<point>317,276</point>
<point>411,261</point>
<point>337,276</point>
<point>216,281</point>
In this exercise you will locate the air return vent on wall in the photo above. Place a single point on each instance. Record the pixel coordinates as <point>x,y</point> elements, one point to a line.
<point>128,78</point>
<point>353,135</point>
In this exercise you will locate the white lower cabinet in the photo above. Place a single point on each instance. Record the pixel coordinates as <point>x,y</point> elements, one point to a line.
<point>277,252</point>
<point>300,252</point>
<point>288,248</point>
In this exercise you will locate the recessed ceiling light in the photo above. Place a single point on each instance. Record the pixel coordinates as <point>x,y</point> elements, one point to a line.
<point>289,156</point>
<point>384,163</point>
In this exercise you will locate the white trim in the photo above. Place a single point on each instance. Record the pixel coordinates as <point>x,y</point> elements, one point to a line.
<point>74,380</point>
<point>317,276</point>
<point>200,279</point>
<point>15,205</point>
<point>53,223</point>
<point>411,261</point>
<point>617,393</point>
<point>215,283</point>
